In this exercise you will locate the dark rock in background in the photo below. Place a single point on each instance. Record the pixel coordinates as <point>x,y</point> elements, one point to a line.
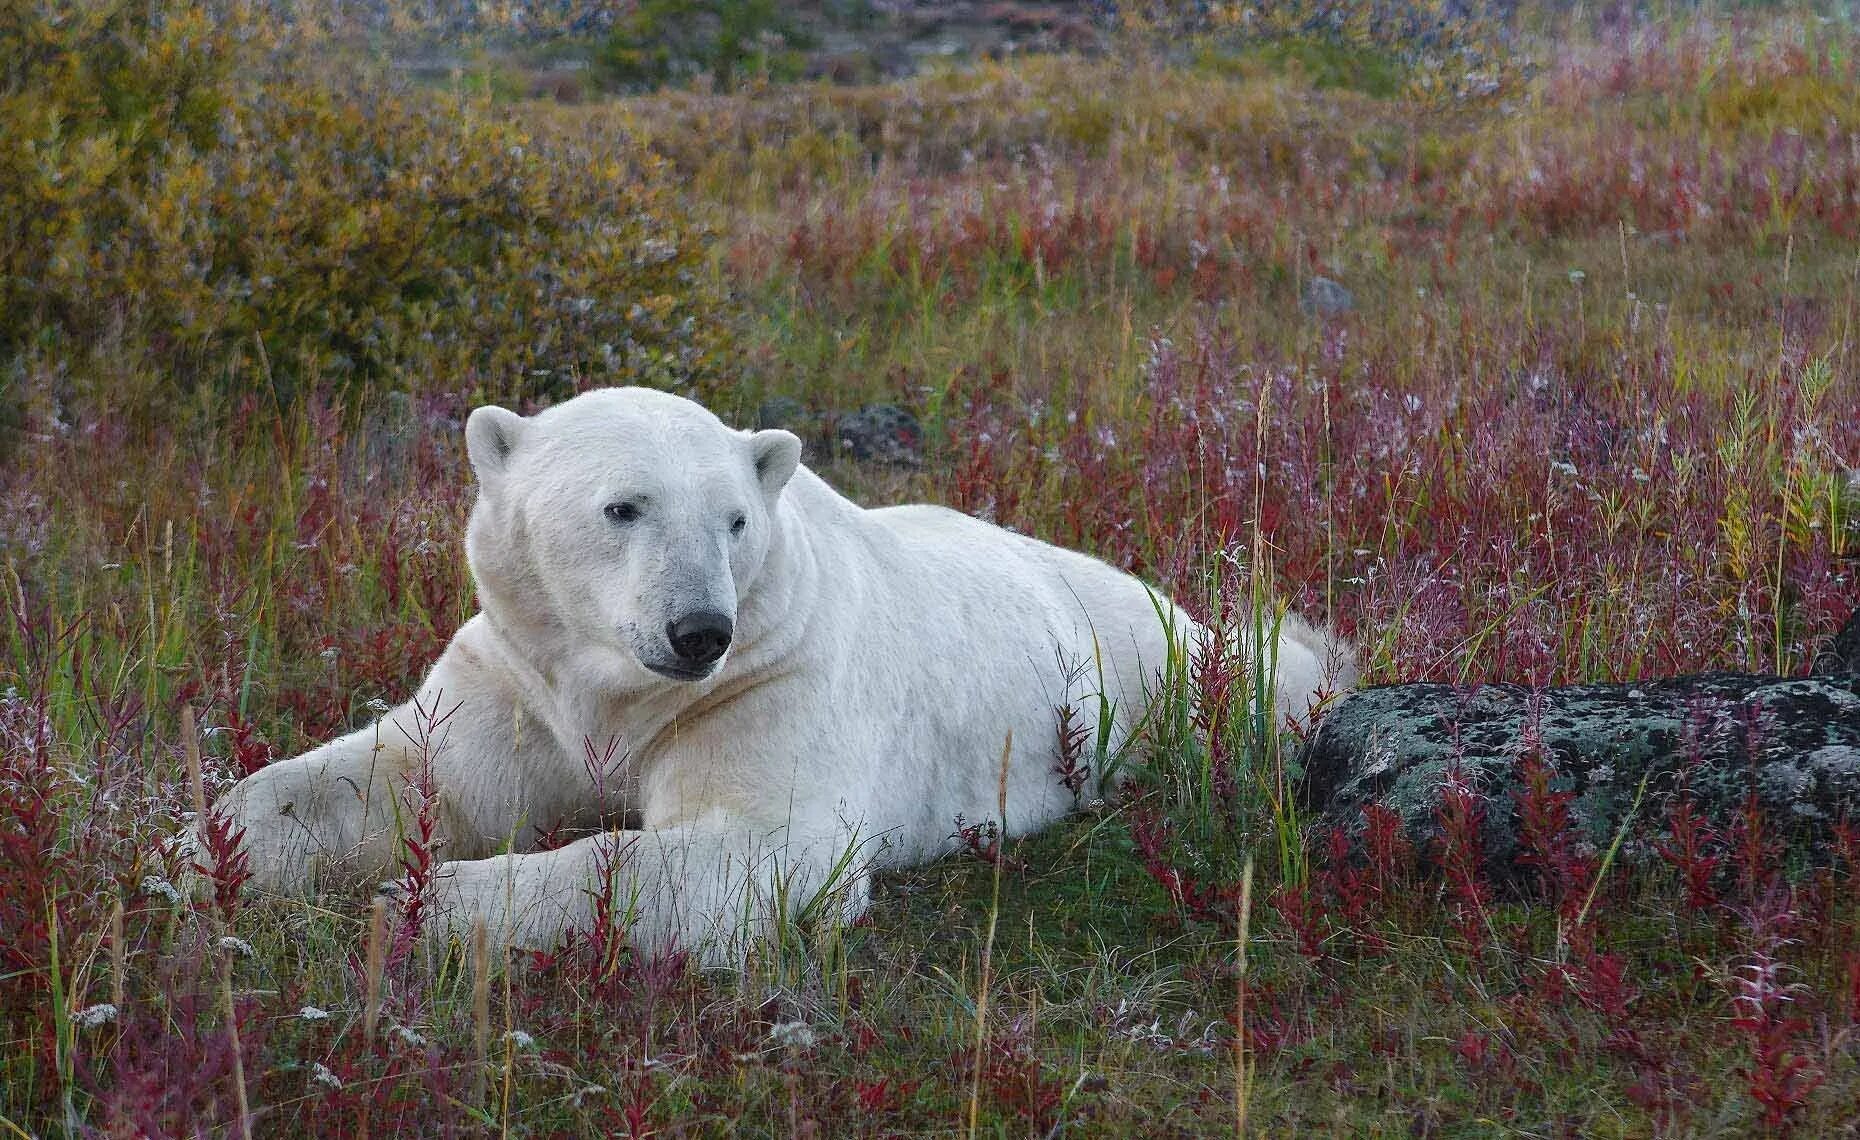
<point>787,413</point>
<point>883,433</point>
<point>1325,298</point>
<point>876,433</point>
<point>1794,742</point>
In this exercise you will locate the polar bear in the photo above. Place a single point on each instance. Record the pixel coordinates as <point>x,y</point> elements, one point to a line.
<point>793,690</point>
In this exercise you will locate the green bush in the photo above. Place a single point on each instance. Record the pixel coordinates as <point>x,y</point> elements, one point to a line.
<point>662,41</point>
<point>1324,63</point>
<point>1445,49</point>
<point>177,203</point>
<point>100,101</point>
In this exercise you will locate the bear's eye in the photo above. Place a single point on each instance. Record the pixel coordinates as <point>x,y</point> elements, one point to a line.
<point>738,524</point>
<point>623,512</point>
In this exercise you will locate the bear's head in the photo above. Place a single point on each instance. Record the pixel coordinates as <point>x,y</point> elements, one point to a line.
<point>630,521</point>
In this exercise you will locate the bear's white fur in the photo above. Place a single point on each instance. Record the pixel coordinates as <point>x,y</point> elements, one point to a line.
<point>878,661</point>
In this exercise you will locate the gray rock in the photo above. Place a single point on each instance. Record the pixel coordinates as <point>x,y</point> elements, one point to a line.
<point>785,412</point>
<point>882,433</point>
<point>1793,741</point>
<point>1326,298</point>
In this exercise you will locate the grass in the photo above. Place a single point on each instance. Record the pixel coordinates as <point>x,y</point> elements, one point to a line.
<point>1591,417</point>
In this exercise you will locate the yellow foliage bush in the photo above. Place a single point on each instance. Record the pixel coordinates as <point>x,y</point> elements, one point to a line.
<point>221,215</point>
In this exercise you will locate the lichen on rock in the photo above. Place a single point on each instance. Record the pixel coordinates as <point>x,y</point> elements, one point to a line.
<point>1715,738</point>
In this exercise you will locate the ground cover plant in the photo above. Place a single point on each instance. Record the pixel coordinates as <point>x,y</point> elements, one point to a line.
<point>1546,383</point>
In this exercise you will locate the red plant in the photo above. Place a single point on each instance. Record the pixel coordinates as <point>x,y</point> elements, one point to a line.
<point>1484,1052</point>
<point>419,856</point>
<point>1352,887</point>
<point>249,750</point>
<point>1461,817</point>
<point>227,866</point>
<point>1758,853</point>
<point>983,842</point>
<point>1386,845</point>
<point>605,942</point>
<point>1547,839</point>
<point>1850,986</point>
<point>1215,668</point>
<point>29,827</point>
<point>603,766</point>
<point>1014,1078</point>
<point>169,1071</point>
<point>1692,849</point>
<point>1207,901</point>
<point>887,1094</point>
<point>1304,915</point>
<point>1780,1077</point>
<point>1847,846</point>
<point>1073,734</point>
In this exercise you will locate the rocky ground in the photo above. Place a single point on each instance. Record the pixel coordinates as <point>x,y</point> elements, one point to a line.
<point>898,38</point>
<point>842,41</point>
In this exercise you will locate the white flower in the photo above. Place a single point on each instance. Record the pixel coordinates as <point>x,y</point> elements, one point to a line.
<point>233,945</point>
<point>409,1036</point>
<point>312,1013</point>
<point>795,1034</point>
<point>320,1074</point>
<point>520,1039</point>
<point>91,1016</point>
<point>159,887</point>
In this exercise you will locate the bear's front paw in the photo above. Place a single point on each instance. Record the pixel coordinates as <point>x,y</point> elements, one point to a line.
<point>516,900</point>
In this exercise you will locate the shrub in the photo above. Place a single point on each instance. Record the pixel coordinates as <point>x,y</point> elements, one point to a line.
<point>100,101</point>
<point>1440,48</point>
<point>662,41</point>
<point>334,235</point>
<point>1322,62</point>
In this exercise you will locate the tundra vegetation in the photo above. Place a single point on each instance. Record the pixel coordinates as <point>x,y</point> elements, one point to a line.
<point>1526,353</point>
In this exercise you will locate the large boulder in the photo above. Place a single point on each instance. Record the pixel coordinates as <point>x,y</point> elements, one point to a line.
<point>1714,737</point>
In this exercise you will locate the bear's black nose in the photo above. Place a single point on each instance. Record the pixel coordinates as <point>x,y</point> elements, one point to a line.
<point>699,638</point>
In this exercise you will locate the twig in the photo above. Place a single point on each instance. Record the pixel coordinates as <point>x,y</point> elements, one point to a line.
<point>988,950</point>
<point>1242,1077</point>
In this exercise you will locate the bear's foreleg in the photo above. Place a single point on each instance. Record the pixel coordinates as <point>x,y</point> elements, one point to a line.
<point>331,815</point>
<point>711,886</point>
<point>462,752</point>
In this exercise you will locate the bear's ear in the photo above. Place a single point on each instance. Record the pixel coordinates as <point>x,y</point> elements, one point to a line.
<point>777,453</point>
<point>491,434</point>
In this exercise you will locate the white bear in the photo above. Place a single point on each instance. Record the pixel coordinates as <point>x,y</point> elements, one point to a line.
<point>794,690</point>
